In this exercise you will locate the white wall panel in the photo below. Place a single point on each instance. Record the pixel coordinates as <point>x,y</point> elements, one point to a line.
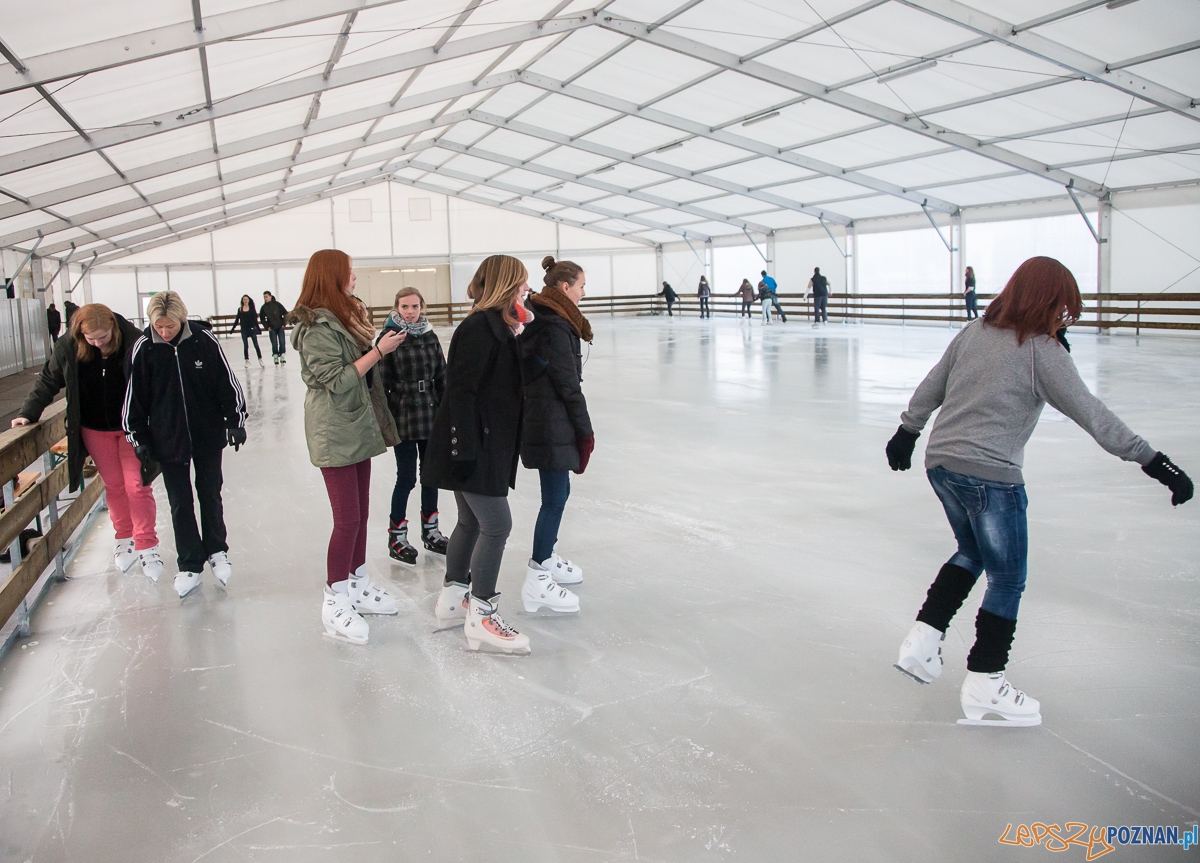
<point>482,229</point>
<point>232,284</point>
<point>418,237</point>
<point>195,286</point>
<point>363,239</point>
<point>906,262</point>
<point>634,273</point>
<point>1156,249</point>
<point>794,262</point>
<point>118,291</point>
<point>596,269</point>
<point>193,250</point>
<point>682,270</point>
<point>996,249</point>
<point>290,235</point>
<point>289,280</point>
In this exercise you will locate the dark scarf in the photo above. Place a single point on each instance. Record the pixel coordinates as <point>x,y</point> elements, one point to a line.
<point>556,300</point>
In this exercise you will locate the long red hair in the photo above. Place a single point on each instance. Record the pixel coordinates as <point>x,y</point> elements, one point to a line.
<point>324,287</point>
<point>1041,298</point>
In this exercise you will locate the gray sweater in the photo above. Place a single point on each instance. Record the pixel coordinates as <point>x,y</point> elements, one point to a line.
<point>991,392</point>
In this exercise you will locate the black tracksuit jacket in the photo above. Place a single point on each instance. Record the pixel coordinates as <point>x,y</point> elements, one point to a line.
<point>182,395</point>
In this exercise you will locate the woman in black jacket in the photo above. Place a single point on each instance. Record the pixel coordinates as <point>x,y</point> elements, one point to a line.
<point>273,315</point>
<point>93,362</point>
<point>557,435</point>
<point>414,378</point>
<point>182,406</point>
<point>247,319</point>
<point>473,451</point>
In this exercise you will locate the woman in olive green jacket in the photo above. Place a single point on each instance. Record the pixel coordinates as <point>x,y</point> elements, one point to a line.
<point>346,423</point>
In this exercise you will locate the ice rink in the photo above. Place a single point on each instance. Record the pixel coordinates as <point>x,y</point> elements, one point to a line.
<point>751,566</point>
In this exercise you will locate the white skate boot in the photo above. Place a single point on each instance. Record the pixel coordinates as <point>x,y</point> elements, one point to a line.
<point>340,620</point>
<point>186,582</point>
<point>451,607</point>
<point>541,591</point>
<point>221,567</point>
<point>921,653</point>
<point>990,693</point>
<point>367,598</point>
<point>123,555</point>
<point>152,565</point>
<point>484,626</point>
<point>562,570</point>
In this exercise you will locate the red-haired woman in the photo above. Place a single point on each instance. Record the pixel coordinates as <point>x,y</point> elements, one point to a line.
<point>991,385</point>
<point>346,423</point>
<point>92,362</point>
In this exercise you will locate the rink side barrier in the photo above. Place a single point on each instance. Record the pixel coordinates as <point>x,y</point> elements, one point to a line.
<point>24,502</point>
<point>1108,311</point>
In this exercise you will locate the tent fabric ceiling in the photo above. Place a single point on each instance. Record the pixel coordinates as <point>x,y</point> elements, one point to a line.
<point>130,126</point>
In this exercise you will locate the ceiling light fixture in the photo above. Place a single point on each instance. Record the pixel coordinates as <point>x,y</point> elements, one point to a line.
<point>760,118</point>
<point>554,188</point>
<point>674,146</point>
<point>911,70</point>
<point>605,169</point>
<point>426,269</point>
<point>389,271</point>
<point>409,270</point>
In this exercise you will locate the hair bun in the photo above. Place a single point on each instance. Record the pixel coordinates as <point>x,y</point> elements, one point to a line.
<point>548,262</point>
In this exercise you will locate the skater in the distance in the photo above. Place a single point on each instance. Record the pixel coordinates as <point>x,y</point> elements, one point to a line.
<point>704,293</point>
<point>764,298</point>
<point>53,323</point>
<point>991,385</point>
<point>668,294</point>
<point>557,436</point>
<point>182,407</point>
<point>247,320</point>
<point>969,294</point>
<point>274,316</point>
<point>772,287</point>
<point>346,424</point>
<point>746,293</point>
<point>414,378</point>
<point>473,451</point>
<point>818,287</point>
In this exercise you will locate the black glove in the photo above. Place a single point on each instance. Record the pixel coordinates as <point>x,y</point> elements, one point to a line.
<point>1061,335</point>
<point>461,470</point>
<point>900,448</point>
<point>150,466</point>
<point>235,437</point>
<point>1165,471</point>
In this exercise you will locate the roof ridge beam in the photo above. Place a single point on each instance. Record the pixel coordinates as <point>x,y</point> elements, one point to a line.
<point>1050,51</point>
<point>288,90</point>
<point>845,100</point>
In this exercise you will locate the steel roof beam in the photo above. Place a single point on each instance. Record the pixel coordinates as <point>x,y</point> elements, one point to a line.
<point>1050,51</point>
<point>841,99</point>
<point>287,90</point>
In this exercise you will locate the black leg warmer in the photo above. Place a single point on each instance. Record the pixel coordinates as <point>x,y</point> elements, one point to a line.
<point>946,596</point>
<point>993,638</point>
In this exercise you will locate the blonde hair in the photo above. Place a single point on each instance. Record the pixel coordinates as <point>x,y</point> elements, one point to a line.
<point>90,319</point>
<point>497,284</point>
<point>166,304</point>
<point>408,292</point>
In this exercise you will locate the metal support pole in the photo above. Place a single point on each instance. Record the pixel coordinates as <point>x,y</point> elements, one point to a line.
<point>21,266</point>
<point>86,267</point>
<point>658,276</point>
<point>1078,206</point>
<point>14,556</point>
<point>947,243</point>
<point>47,466</point>
<point>1103,257</point>
<point>825,225</point>
<point>61,264</point>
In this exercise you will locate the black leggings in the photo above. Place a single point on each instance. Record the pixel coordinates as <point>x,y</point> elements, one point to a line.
<point>246,339</point>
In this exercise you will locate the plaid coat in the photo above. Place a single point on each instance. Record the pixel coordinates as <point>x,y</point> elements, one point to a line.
<point>414,378</point>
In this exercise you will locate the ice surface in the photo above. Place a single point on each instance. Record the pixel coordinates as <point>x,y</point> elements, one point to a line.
<point>727,691</point>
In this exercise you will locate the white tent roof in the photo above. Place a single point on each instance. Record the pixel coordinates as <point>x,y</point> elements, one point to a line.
<point>128,125</point>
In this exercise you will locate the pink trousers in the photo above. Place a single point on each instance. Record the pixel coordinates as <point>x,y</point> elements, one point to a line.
<point>130,504</point>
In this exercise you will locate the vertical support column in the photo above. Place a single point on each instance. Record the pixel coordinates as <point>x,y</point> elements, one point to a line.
<point>391,227</point>
<point>1103,256</point>
<point>332,226</point>
<point>959,267</point>
<point>557,242</point>
<point>658,275</point>
<point>708,263</point>
<point>212,272</point>
<point>852,262</point>
<point>771,254</point>
<point>955,265</point>
<point>450,258</point>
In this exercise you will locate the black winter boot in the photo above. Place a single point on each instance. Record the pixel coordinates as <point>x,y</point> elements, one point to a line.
<point>433,538</point>
<point>993,638</point>
<point>946,596</point>
<point>398,545</point>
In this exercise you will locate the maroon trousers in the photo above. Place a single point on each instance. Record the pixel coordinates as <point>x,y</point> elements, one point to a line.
<point>349,491</point>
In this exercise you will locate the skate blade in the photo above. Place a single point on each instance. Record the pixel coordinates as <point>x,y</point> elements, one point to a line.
<point>480,647</point>
<point>189,591</point>
<point>910,674</point>
<point>337,636</point>
<point>412,565</point>
<point>1000,723</point>
<point>534,608</point>
<point>127,566</point>
<point>376,611</point>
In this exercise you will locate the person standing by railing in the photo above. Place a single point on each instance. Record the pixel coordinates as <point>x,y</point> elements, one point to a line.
<point>273,316</point>
<point>818,287</point>
<point>772,295</point>
<point>746,292</point>
<point>414,378</point>
<point>247,319</point>
<point>346,424</point>
<point>92,361</point>
<point>991,386</point>
<point>704,293</point>
<point>474,449</point>
<point>969,294</point>
<point>668,294</point>
<point>182,406</point>
<point>53,323</point>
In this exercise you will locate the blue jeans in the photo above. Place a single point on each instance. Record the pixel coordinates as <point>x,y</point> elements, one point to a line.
<point>820,308</point>
<point>556,488</point>
<point>278,342</point>
<point>406,480</point>
<point>972,305</point>
<point>988,520</point>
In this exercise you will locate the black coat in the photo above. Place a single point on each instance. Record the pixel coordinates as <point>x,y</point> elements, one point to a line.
<point>247,320</point>
<point>480,417</point>
<point>62,370</point>
<point>556,414</point>
<point>414,378</point>
<point>182,394</point>
<point>273,315</point>
<point>53,320</point>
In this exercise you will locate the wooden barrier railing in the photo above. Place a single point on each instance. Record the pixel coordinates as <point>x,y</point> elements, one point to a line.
<point>25,498</point>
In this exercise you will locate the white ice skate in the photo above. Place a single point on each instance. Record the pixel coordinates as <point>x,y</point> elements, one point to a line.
<point>541,591</point>
<point>451,607</point>
<point>123,555</point>
<point>562,570</point>
<point>340,620</point>
<point>485,627</point>
<point>367,597</point>
<point>152,565</point>
<point>921,653</point>
<point>186,582</point>
<point>221,567</point>
<point>984,694</point>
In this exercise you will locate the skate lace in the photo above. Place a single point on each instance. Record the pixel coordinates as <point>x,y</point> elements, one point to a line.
<point>502,628</point>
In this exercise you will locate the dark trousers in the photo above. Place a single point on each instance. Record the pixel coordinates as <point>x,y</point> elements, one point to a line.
<point>556,488</point>
<point>193,545</point>
<point>349,489</point>
<point>972,306</point>
<point>746,308</point>
<point>53,335</point>
<point>407,453</point>
<point>778,308</point>
<point>670,305</point>
<point>476,547</point>
<point>247,338</point>
<point>821,308</point>
<point>705,311</point>
<point>278,342</point>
